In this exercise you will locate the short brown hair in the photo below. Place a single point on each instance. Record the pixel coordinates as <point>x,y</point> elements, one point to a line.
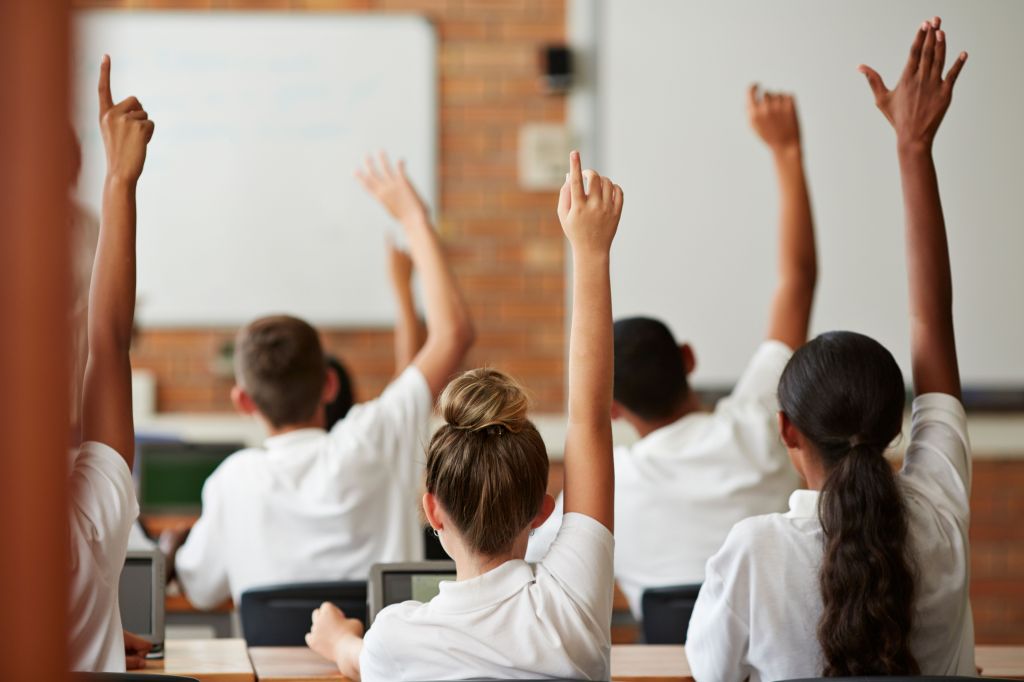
<point>487,465</point>
<point>280,363</point>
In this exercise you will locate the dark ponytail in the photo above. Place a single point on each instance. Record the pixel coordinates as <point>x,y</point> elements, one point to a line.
<point>844,392</point>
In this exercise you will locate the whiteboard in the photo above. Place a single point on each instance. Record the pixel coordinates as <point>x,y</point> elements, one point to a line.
<point>697,243</point>
<point>248,204</point>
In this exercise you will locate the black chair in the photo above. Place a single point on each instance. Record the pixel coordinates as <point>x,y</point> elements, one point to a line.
<point>279,615</point>
<point>666,613</point>
<point>128,677</point>
<point>899,678</point>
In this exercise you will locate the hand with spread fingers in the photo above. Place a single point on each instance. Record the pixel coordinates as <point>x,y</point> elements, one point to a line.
<point>126,130</point>
<point>392,188</point>
<point>773,117</point>
<point>916,106</point>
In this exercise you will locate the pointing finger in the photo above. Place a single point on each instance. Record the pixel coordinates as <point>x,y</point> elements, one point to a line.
<point>576,179</point>
<point>913,61</point>
<point>106,101</point>
<point>927,53</point>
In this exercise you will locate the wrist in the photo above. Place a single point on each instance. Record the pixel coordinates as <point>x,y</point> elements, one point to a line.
<point>913,148</point>
<point>788,153</point>
<point>416,221</point>
<point>116,181</point>
<point>587,255</point>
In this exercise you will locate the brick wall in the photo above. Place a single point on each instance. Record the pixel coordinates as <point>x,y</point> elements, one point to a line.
<point>505,244</point>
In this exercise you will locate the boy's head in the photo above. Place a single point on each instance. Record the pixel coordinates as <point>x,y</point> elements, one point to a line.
<point>280,371</point>
<point>650,369</point>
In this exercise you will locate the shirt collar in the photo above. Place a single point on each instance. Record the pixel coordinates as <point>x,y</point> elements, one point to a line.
<point>493,587</point>
<point>291,438</point>
<point>803,504</point>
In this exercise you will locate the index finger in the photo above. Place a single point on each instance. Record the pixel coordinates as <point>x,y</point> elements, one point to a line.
<point>106,101</point>
<point>752,95</point>
<point>576,178</point>
<point>913,61</point>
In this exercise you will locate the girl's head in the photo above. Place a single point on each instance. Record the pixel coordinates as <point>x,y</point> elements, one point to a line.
<point>841,398</point>
<point>487,467</point>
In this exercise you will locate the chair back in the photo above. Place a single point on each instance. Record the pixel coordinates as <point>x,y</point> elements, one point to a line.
<point>666,613</point>
<point>279,615</point>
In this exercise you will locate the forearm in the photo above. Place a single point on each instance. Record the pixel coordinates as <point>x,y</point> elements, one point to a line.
<point>407,327</point>
<point>448,318</point>
<point>112,291</point>
<point>590,342</point>
<point>933,345</point>
<point>346,655</point>
<point>797,253</point>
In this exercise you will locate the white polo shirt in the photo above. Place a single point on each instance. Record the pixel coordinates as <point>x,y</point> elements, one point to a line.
<point>679,490</point>
<point>517,621</point>
<point>312,505</point>
<point>759,608</point>
<point>102,511</point>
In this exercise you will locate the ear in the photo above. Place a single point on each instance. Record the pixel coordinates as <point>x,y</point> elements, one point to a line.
<point>689,358</point>
<point>243,401</point>
<point>331,387</point>
<point>432,509</point>
<point>616,410</point>
<point>547,506</point>
<point>790,434</point>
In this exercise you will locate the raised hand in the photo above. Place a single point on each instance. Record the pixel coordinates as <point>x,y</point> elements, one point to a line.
<point>126,130</point>
<point>773,117</point>
<point>589,220</point>
<point>392,189</point>
<point>916,106</point>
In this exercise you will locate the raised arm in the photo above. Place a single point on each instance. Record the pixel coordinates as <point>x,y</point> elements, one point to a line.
<point>774,118</point>
<point>408,334</point>
<point>589,222</point>
<point>107,392</point>
<point>915,108</point>
<point>450,330</point>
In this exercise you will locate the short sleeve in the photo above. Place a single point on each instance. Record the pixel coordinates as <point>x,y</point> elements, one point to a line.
<point>375,662</point>
<point>103,503</point>
<point>396,423</point>
<point>200,563</point>
<point>718,640</point>
<point>581,560</point>
<point>938,461</point>
<point>759,383</point>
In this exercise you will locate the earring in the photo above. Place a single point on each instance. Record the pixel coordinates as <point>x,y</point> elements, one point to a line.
<point>533,532</point>
<point>437,533</point>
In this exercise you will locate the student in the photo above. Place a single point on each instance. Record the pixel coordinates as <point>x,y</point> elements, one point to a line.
<point>486,480</point>
<point>103,505</point>
<point>867,573</point>
<point>408,336</point>
<point>313,504</point>
<point>694,473</point>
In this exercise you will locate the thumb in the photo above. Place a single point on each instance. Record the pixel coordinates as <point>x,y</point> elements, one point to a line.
<point>874,80</point>
<point>564,199</point>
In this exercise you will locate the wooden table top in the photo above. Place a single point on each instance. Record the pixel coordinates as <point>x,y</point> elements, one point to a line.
<point>630,663</point>
<point>208,660</point>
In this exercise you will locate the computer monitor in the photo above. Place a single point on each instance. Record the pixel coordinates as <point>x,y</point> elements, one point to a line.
<point>141,597</point>
<point>171,474</point>
<point>395,583</point>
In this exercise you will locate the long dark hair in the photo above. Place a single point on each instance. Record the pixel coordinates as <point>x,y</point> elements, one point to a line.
<point>844,392</point>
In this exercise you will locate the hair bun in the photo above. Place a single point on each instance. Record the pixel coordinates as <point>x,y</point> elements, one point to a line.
<point>484,399</point>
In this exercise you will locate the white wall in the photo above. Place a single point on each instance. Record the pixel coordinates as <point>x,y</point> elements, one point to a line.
<point>697,241</point>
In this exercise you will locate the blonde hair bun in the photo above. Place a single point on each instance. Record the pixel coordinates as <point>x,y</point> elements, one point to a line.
<point>484,398</point>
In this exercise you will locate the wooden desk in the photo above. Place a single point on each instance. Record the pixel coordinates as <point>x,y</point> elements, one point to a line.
<point>630,663</point>
<point>1000,661</point>
<point>208,660</point>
